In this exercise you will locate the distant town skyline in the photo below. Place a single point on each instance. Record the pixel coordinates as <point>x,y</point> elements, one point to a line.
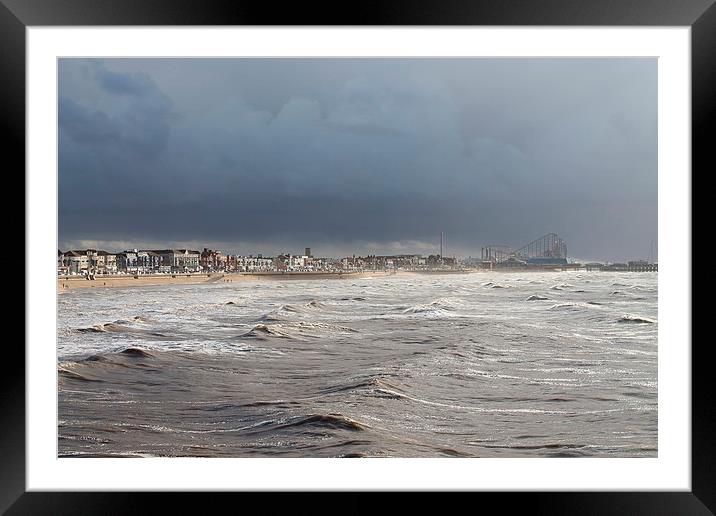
<point>365,156</point>
<point>119,247</point>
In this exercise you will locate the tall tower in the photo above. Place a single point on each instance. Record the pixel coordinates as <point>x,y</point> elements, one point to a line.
<point>441,247</point>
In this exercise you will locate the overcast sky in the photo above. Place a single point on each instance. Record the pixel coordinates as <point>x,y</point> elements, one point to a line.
<point>358,155</point>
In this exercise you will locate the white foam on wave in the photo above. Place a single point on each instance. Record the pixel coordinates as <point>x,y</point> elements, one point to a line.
<point>297,330</point>
<point>630,318</point>
<point>440,308</point>
<point>572,305</point>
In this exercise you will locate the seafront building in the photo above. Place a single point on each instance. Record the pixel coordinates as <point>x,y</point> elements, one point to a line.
<point>82,261</point>
<point>167,261</point>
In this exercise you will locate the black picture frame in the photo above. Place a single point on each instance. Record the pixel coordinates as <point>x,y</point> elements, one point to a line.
<point>700,15</point>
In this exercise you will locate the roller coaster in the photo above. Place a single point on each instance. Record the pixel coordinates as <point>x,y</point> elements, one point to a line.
<point>547,247</point>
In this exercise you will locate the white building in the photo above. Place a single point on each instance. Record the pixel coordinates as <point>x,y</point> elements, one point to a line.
<point>76,262</point>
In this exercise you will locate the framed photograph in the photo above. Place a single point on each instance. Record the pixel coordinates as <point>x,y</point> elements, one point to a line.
<point>424,239</point>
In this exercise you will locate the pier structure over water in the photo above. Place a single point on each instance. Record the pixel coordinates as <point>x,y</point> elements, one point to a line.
<point>632,266</point>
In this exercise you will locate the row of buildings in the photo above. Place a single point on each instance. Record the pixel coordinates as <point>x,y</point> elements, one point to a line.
<point>163,261</point>
<point>93,261</point>
<point>401,261</point>
<point>159,261</point>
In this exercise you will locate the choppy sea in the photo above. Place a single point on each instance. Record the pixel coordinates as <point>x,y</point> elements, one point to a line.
<point>470,365</point>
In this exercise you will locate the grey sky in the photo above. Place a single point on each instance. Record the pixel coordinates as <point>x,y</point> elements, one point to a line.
<point>358,155</point>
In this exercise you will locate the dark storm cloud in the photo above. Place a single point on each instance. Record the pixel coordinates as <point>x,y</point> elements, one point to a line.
<point>355,154</point>
<point>122,84</point>
<point>83,125</point>
<point>140,129</point>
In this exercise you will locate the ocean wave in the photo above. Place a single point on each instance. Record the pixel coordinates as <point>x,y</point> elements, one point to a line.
<point>69,374</point>
<point>572,305</point>
<point>274,316</point>
<point>309,307</point>
<point>102,361</point>
<point>261,331</point>
<point>301,423</point>
<point>113,327</point>
<point>288,311</point>
<point>296,330</point>
<point>438,307</point>
<point>377,387</point>
<point>428,311</point>
<point>535,297</point>
<point>332,421</point>
<point>536,447</point>
<point>97,328</point>
<point>118,327</point>
<point>136,352</point>
<point>96,358</point>
<point>629,318</point>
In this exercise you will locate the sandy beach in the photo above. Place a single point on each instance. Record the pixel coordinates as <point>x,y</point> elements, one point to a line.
<point>65,283</point>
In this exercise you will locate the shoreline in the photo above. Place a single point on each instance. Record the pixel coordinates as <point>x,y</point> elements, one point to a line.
<point>65,283</point>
